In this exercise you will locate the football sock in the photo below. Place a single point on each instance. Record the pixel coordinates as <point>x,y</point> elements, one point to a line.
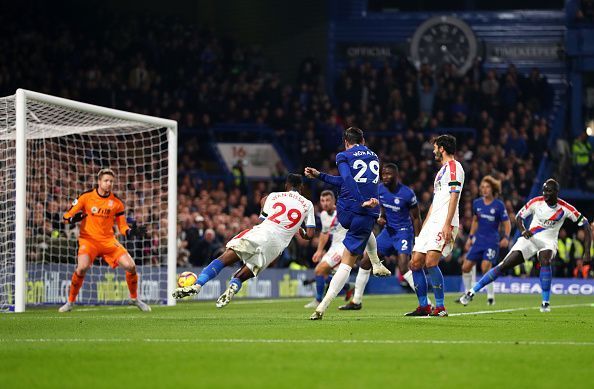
<point>473,277</point>
<point>75,285</point>
<point>408,276</point>
<point>320,287</point>
<point>467,280</point>
<point>371,249</point>
<point>487,279</point>
<point>545,282</point>
<point>490,291</point>
<point>210,272</point>
<point>437,284</point>
<point>360,283</point>
<point>132,281</point>
<point>420,286</point>
<point>236,281</point>
<point>340,278</point>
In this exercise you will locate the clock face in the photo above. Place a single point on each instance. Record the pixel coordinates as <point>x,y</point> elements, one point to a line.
<point>441,40</point>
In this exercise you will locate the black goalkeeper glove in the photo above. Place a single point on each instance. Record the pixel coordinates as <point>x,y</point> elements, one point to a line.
<point>136,230</point>
<point>77,218</point>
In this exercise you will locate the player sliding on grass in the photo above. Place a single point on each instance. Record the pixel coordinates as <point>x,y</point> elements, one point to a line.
<point>548,214</point>
<point>97,209</point>
<point>440,228</point>
<point>484,240</point>
<point>329,261</point>
<point>357,206</point>
<point>282,215</point>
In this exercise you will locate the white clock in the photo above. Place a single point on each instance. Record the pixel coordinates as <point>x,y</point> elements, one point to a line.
<point>444,39</point>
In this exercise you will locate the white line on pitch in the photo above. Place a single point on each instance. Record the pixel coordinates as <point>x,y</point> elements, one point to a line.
<point>300,341</point>
<point>519,309</point>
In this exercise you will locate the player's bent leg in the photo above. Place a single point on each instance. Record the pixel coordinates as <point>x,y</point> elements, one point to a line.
<point>360,283</point>
<point>371,250</point>
<point>213,269</point>
<point>78,277</point>
<point>546,276</point>
<point>235,285</point>
<point>126,262</point>
<point>340,278</point>
<point>513,259</point>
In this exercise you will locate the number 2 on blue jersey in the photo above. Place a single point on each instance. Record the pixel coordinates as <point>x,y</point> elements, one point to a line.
<point>360,164</point>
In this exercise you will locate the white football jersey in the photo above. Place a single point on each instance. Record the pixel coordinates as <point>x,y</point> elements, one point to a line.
<point>449,179</point>
<point>331,225</point>
<point>546,220</point>
<point>283,214</point>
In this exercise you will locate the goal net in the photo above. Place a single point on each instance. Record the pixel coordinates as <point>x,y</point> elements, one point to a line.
<point>51,150</point>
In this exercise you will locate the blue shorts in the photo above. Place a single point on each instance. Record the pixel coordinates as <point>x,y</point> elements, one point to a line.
<point>397,242</point>
<point>482,252</point>
<point>358,227</point>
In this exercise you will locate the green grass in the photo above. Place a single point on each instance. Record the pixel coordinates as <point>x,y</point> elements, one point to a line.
<point>272,344</point>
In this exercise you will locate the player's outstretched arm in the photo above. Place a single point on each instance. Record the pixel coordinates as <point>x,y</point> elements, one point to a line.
<point>349,182</point>
<point>311,172</point>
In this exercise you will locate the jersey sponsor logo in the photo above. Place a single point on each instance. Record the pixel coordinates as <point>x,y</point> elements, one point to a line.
<point>487,217</point>
<point>101,212</point>
<point>392,207</point>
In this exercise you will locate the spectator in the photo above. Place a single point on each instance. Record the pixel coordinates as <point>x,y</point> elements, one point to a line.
<point>581,153</point>
<point>206,249</point>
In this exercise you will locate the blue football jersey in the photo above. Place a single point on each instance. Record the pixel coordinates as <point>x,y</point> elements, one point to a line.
<point>397,206</point>
<point>364,168</point>
<point>489,217</point>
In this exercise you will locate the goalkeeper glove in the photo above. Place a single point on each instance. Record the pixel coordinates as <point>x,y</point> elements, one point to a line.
<point>76,218</point>
<point>135,230</point>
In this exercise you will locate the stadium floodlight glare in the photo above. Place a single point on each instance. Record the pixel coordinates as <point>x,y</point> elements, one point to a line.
<point>51,149</point>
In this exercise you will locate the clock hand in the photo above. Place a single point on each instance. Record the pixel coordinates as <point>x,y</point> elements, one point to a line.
<point>453,58</point>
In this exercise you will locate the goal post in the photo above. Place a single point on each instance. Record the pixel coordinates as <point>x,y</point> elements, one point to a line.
<point>50,151</point>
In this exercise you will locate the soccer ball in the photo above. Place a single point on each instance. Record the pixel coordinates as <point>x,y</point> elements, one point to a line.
<point>187,278</point>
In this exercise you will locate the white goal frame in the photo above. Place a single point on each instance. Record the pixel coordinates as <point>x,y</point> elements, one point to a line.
<point>21,98</point>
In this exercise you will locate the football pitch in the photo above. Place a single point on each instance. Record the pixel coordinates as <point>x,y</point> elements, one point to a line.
<point>272,344</point>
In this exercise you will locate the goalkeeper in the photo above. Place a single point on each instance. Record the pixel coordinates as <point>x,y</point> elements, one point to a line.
<point>97,210</point>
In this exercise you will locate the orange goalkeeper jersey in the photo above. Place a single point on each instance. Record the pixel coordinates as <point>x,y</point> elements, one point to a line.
<point>102,212</point>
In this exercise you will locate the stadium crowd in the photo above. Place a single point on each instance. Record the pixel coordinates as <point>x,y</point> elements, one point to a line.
<point>173,69</point>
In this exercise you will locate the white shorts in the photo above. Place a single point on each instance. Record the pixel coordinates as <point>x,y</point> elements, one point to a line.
<point>430,239</point>
<point>533,246</point>
<point>334,255</point>
<point>255,249</point>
